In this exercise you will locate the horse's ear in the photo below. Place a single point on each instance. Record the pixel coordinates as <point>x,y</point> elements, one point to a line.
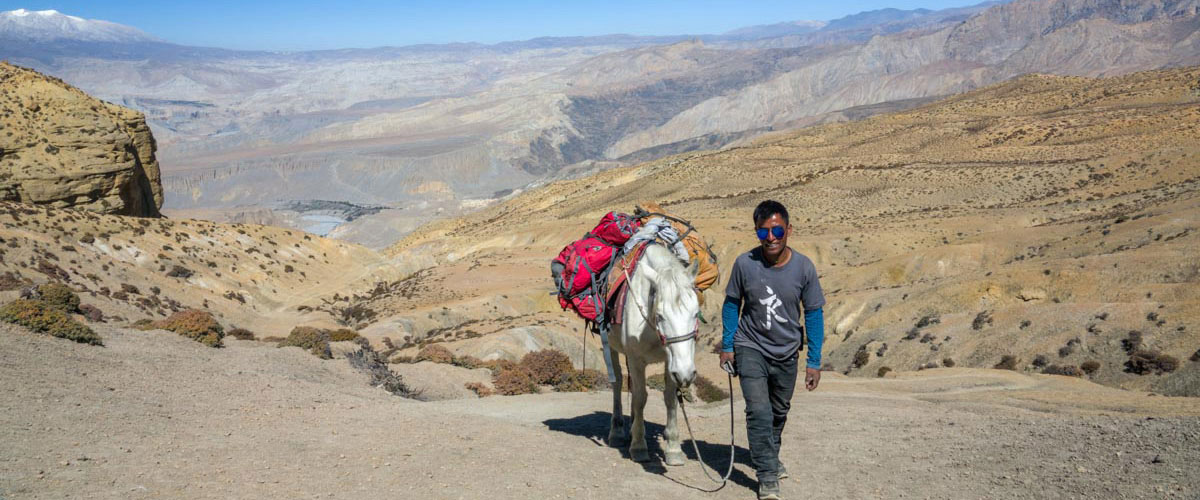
<point>650,272</point>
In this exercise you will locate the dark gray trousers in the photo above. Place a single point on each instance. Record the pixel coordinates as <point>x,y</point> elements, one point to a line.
<point>767,386</point>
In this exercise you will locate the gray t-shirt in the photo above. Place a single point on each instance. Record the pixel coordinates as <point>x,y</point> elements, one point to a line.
<point>773,298</point>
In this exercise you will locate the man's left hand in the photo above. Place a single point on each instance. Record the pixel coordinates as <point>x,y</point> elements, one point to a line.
<point>812,377</point>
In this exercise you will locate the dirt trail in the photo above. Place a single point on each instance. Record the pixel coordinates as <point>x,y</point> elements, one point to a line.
<point>153,415</point>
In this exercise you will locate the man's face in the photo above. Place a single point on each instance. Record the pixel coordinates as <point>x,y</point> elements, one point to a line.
<point>773,246</point>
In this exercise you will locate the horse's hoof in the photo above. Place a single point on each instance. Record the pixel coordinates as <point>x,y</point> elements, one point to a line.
<point>639,455</point>
<point>616,439</point>
<point>675,458</point>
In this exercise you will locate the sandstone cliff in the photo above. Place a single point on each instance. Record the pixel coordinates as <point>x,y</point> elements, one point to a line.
<point>63,148</point>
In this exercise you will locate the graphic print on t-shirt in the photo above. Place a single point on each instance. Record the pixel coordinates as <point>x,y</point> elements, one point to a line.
<point>772,303</point>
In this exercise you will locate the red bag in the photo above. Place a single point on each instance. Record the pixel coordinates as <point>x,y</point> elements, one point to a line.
<point>616,228</point>
<point>586,263</point>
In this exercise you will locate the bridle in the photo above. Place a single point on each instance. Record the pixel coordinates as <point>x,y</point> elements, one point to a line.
<point>692,335</point>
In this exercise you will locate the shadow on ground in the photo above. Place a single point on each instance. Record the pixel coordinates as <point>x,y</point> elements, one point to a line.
<point>594,427</point>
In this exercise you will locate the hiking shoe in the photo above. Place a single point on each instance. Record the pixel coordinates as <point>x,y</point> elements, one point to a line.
<point>782,472</point>
<point>768,490</point>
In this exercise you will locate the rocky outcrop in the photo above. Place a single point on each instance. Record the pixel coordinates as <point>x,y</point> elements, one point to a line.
<point>63,148</point>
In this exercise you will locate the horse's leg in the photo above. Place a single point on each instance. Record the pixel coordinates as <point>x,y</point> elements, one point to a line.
<point>637,408</point>
<point>674,450</point>
<point>616,425</point>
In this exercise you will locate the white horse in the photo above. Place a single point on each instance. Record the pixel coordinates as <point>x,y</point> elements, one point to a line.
<point>660,323</point>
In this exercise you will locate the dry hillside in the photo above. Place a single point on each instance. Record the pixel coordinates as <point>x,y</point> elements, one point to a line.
<point>250,276</point>
<point>1047,218</point>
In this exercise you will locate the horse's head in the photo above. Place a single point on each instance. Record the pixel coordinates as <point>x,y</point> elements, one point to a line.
<point>676,311</point>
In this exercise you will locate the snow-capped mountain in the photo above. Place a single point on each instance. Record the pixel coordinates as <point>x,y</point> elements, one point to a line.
<point>49,25</point>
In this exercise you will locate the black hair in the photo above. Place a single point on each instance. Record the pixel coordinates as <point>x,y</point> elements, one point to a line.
<point>768,208</point>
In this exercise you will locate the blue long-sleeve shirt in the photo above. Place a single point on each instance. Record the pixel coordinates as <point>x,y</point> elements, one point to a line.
<point>814,326</point>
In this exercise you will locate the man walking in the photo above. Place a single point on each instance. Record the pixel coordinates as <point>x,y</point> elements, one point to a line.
<point>768,288</point>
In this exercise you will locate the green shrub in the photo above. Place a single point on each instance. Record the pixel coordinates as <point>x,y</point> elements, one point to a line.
<point>312,339</point>
<point>582,381</point>
<point>1090,367</point>
<point>707,391</point>
<point>59,296</point>
<point>513,381</point>
<point>435,353</point>
<point>883,370</point>
<point>1007,362</point>
<point>194,324</point>
<point>43,317</point>
<point>547,366</point>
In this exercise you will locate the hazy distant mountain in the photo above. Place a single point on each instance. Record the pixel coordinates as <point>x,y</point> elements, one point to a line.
<point>774,30</point>
<point>51,25</point>
<point>438,123</point>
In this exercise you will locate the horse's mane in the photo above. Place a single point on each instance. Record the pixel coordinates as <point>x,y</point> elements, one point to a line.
<point>675,284</point>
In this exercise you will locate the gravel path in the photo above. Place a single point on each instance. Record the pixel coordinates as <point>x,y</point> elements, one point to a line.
<point>153,415</point>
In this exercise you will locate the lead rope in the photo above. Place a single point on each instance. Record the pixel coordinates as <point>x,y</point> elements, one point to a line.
<point>695,447</point>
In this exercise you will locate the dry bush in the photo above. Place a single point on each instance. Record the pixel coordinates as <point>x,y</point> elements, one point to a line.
<point>435,353</point>
<point>59,296</point>
<point>582,381</point>
<point>315,340</point>
<point>370,362</point>
<point>1090,367</point>
<point>178,271</point>
<point>342,335</point>
<point>499,365</point>
<point>480,389</point>
<point>43,317</point>
<point>1132,342</point>
<point>948,363</point>
<point>1142,362</point>
<point>467,361</point>
<point>92,313</point>
<point>707,391</point>
<point>1007,362</point>
<point>1195,356</point>
<point>861,358</point>
<point>10,281</point>
<point>1067,370</point>
<point>547,366</point>
<point>241,334</point>
<point>403,359</point>
<point>194,324</point>
<point>984,318</point>
<point>1040,361</point>
<point>513,381</point>
<point>143,324</point>
<point>883,370</point>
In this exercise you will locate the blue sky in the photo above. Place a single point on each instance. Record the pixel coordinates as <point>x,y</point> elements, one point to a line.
<point>311,24</point>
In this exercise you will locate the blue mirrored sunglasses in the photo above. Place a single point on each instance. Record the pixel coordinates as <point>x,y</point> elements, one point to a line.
<point>777,231</point>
